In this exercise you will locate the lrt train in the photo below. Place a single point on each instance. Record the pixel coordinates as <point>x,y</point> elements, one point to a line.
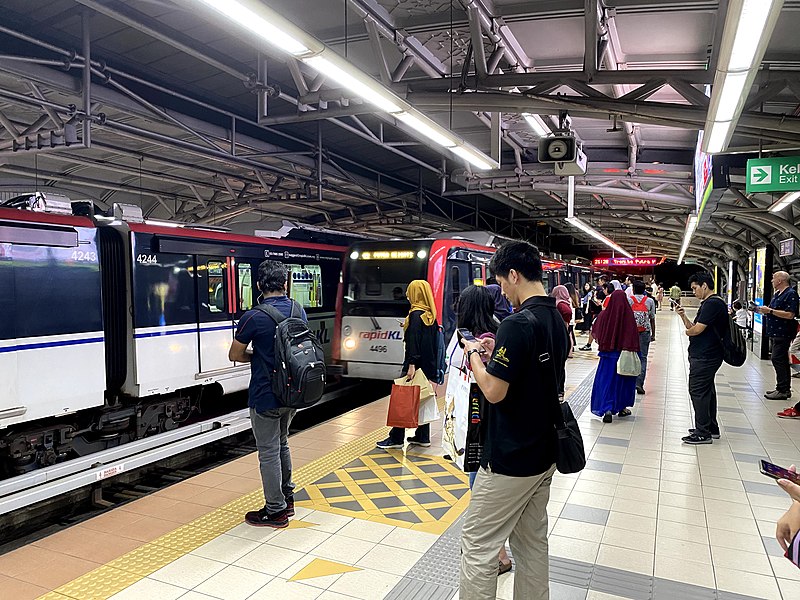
<point>373,305</point>
<point>113,329</point>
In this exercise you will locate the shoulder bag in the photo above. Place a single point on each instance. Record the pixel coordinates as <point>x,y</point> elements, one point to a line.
<point>571,457</point>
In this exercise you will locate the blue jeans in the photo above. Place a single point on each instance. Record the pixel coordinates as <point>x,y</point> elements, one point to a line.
<point>423,434</point>
<point>271,430</point>
<point>472,477</point>
<point>644,349</point>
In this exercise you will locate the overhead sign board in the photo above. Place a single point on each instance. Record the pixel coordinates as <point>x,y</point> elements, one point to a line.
<point>773,174</point>
<point>639,261</point>
<point>787,247</point>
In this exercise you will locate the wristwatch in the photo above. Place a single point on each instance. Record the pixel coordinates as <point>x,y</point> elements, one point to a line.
<point>471,352</point>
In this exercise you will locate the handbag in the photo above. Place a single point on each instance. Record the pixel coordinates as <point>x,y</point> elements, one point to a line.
<point>629,364</point>
<point>570,456</point>
<point>403,406</point>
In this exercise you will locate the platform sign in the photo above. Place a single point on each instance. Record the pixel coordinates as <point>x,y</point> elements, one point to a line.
<point>773,174</point>
<point>786,247</point>
<point>639,261</point>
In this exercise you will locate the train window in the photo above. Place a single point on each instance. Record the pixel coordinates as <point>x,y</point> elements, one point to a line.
<point>305,285</point>
<point>455,283</point>
<point>477,274</point>
<point>245,272</point>
<point>216,286</point>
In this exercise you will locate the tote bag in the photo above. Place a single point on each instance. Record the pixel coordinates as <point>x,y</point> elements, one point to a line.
<point>403,406</point>
<point>629,364</point>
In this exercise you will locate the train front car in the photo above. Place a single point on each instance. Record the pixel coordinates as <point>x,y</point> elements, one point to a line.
<point>51,335</point>
<point>374,305</point>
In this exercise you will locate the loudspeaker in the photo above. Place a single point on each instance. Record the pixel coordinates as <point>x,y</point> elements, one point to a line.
<point>559,148</point>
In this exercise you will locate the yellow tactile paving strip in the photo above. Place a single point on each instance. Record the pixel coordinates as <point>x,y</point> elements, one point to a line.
<point>105,581</point>
<point>419,492</point>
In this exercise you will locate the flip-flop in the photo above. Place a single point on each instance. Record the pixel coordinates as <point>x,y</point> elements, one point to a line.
<point>503,568</point>
<point>624,413</point>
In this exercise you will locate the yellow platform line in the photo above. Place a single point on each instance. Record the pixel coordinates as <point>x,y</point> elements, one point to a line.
<point>122,572</point>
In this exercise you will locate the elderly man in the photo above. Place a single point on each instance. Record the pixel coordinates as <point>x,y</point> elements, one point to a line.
<point>781,328</point>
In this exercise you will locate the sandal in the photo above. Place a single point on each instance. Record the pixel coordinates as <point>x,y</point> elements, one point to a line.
<point>624,413</point>
<point>503,567</point>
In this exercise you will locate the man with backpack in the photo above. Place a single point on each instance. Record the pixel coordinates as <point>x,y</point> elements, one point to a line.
<point>269,416</point>
<point>706,353</point>
<point>644,310</point>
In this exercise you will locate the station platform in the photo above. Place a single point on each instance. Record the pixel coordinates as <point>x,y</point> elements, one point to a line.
<point>648,518</point>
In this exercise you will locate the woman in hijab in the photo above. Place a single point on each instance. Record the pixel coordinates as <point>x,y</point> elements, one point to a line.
<point>502,307</point>
<point>615,330</point>
<point>420,353</point>
<point>577,312</point>
<point>617,285</point>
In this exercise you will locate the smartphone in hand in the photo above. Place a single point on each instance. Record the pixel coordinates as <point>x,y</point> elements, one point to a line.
<point>464,334</point>
<point>772,470</point>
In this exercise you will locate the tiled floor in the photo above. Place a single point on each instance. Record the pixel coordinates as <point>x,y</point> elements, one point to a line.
<point>648,518</point>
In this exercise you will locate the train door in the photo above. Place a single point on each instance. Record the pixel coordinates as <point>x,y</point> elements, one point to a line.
<point>458,278</point>
<point>478,274</point>
<point>245,292</point>
<point>217,303</point>
<point>8,360</point>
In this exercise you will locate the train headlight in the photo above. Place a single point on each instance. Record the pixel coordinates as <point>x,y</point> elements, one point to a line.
<point>350,344</point>
<point>354,256</point>
<point>347,330</point>
<point>422,254</point>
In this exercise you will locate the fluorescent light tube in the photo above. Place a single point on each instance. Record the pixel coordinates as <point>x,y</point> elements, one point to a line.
<point>354,80</point>
<point>586,228</point>
<point>537,124</point>
<point>752,22</point>
<point>691,225</point>
<point>474,157</point>
<point>716,138</point>
<point>263,25</point>
<point>730,96</point>
<point>429,128</point>
<point>784,201</point>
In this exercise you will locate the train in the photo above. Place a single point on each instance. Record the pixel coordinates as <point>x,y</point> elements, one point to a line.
<point>116,328</point>
<point>373,304</point>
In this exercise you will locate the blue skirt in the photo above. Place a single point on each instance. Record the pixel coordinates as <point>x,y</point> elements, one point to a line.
<point>611,392</point>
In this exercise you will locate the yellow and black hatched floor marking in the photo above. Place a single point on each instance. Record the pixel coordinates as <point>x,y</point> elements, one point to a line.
<point>415,491</point>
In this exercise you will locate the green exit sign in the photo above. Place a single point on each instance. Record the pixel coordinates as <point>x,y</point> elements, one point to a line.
<point>773,174</point>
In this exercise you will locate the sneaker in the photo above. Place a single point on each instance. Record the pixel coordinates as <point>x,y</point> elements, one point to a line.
<point>796,374</point>
<point>789,413</point>
<point>776,395</point>
<point>290,506</point>
<point>696,440</point>
<point>714,436</point>
<point>585,347</point>
<point>261,518</point>
<point>416,442</point>
<point>388,444</point>
<point>640,391</point>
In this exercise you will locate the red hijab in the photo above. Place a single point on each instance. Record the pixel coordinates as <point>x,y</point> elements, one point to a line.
<point>615,328</point>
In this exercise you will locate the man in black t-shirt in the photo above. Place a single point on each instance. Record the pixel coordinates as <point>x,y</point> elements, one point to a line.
<point>512,487</point>
<point>705,356</point>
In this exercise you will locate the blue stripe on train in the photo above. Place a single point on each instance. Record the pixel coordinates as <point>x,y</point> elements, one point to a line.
<point>39,345</point>
<point>151,334</point>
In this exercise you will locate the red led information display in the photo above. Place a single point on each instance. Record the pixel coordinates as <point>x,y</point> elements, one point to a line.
<point>639,261</point>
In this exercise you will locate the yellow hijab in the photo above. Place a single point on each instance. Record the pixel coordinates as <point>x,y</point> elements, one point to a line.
<point>420,295</point>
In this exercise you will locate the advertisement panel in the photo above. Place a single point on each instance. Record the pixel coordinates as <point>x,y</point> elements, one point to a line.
<point>759,281</point>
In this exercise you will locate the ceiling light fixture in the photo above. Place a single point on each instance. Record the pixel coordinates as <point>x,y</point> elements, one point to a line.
<point>691,225</point>
<point>586,228</point>
<point>538,125</point>
<point>274,29</point>
<point>784,201</point>
<point>748,29</point>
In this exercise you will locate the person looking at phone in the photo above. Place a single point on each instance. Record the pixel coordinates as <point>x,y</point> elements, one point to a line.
<point>788,525</point>
<point>512,487</point>
<point>705,357</point>
<point>780,328</point>
<point>421,330</point>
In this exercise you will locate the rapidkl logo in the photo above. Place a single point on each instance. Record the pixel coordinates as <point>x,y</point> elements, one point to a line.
<point>382,335</point>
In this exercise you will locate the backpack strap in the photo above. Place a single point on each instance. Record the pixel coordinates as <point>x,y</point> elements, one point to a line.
<point>273,312</point>
<point>548,375</point>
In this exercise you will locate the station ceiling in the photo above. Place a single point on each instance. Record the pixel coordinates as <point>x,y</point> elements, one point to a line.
<point>196,121</point>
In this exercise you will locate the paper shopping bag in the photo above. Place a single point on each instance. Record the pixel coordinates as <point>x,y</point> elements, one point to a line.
<point>403,406</point>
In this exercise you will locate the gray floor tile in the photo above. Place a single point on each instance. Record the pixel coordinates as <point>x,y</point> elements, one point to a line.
<point>585,514</point>
<point>613,441</point>
<point>603,465</point>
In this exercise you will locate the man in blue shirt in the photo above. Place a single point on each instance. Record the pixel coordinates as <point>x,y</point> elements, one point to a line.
<point>780,328</point>
<point>270,419</point>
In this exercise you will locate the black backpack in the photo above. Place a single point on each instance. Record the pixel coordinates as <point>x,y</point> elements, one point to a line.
<point>298,380</point>
<point>734,348</point>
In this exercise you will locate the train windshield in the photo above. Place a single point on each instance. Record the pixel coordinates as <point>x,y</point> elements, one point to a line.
<point>378,288</point>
